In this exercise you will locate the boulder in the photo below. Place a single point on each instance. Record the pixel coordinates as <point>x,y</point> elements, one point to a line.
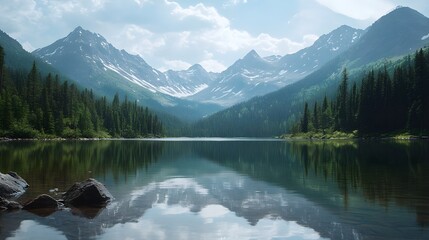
<point>8,205</point>
<point>43,205</point>
<point>87,193</point>
<point>42,201</point>
<point>11,184</point>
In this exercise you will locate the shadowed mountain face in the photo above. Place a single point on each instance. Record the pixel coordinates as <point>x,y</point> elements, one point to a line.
<point>403,31</point>
<point>400,32</point>
<point>17,58</point>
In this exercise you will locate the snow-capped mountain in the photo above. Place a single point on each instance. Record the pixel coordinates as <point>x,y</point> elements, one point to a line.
<point>248,77</point>
<point>189,82</point>
<point>100,56</point>
<point>400,32</point>
<point>254,76</point>
<point>94,63</point>
<point>323,50</point>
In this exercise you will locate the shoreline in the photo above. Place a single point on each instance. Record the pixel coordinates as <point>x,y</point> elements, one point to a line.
<point>5,139</point>
<point>352,136</point>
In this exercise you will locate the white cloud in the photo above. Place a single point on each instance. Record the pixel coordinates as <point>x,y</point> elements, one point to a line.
<point>214,43</point>
<point>165,33</point>
<point>14,13</point>
<point>27,46</point>
<point>175,65</point>
<point>138,40</point>
<point>141,2</point>
<point>212,65</point>
<point>234,2</point>
<point>59,8</point>
<point>201,12</point>
<point>359,9</point>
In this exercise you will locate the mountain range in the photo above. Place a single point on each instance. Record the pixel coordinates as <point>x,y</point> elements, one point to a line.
<point>255,76</point>
<point>95,63</point>
<point>262,91</point>
<point>400,32</point>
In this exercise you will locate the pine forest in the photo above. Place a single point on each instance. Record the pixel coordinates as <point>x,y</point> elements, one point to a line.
<point>36,106</point>
<point>381,103</point>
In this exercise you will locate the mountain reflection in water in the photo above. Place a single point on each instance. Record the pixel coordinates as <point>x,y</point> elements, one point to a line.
<point>227,189</point>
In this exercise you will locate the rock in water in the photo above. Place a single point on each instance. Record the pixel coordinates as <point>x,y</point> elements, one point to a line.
<point>42,201</point>
<point>11,184</point>
<point>9,205</point>
<point>43,206</point>
<point>88,193</point>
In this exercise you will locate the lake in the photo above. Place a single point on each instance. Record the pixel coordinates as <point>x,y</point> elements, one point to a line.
<point>226,189</point>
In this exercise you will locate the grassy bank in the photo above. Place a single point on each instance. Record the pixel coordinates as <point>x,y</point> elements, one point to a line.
<point>353,135</point>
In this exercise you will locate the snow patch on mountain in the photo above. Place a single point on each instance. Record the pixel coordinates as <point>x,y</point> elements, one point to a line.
<point>248,77</point>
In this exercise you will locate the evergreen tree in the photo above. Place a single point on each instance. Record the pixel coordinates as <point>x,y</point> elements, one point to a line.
<point>33,88</point>
<point>30,106</point>
<point>421,102</point>
<point>316,119</point>
<point>6,111</point>
<point>383,104</point>
<point>1,67</point>
<point>342,103</point>
<point>305,119</point>
<point>325,120</point>
<point>353,107</point>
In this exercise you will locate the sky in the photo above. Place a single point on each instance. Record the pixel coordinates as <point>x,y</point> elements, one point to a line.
<point>175,34</point>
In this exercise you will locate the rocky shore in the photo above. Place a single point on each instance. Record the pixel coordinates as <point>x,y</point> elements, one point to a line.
<point>89,193</point>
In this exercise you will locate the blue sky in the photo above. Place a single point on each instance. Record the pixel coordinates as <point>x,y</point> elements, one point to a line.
<point>173,34</point>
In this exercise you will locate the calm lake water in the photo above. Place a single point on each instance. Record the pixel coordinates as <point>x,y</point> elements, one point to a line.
<point>226,189</point>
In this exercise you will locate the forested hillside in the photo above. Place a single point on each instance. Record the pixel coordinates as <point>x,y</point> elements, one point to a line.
<point>35,105</point>
<point>399,33</point>
<point>381,103</point>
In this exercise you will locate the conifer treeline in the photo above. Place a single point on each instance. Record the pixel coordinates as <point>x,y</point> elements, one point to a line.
<point>382,104</point>
<point>32,105</point>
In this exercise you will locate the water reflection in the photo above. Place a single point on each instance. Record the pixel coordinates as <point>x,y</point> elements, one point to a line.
<point>384,172</point>
<point>232,190</point>
<point>49,165</point>
<point>37,231</point>
<point>212,222</point>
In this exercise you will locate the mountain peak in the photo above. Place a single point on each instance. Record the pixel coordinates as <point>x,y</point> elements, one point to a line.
<point>404,10</point>
<point>344,28</point>
<point>80,34</point>
<point>402,16</point>
<point>252,55</point>
<point>395,34</point>
<point>79,31</point>
<point>196,67</point>
<point>340,31</point>
<point>78,28</point>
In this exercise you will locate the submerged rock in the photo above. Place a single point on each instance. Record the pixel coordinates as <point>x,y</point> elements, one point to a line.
<point>43,205</point>
<point>42,201</point>
<point>11,184</point>
<point>88,193</point>
<point>9,205</point>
